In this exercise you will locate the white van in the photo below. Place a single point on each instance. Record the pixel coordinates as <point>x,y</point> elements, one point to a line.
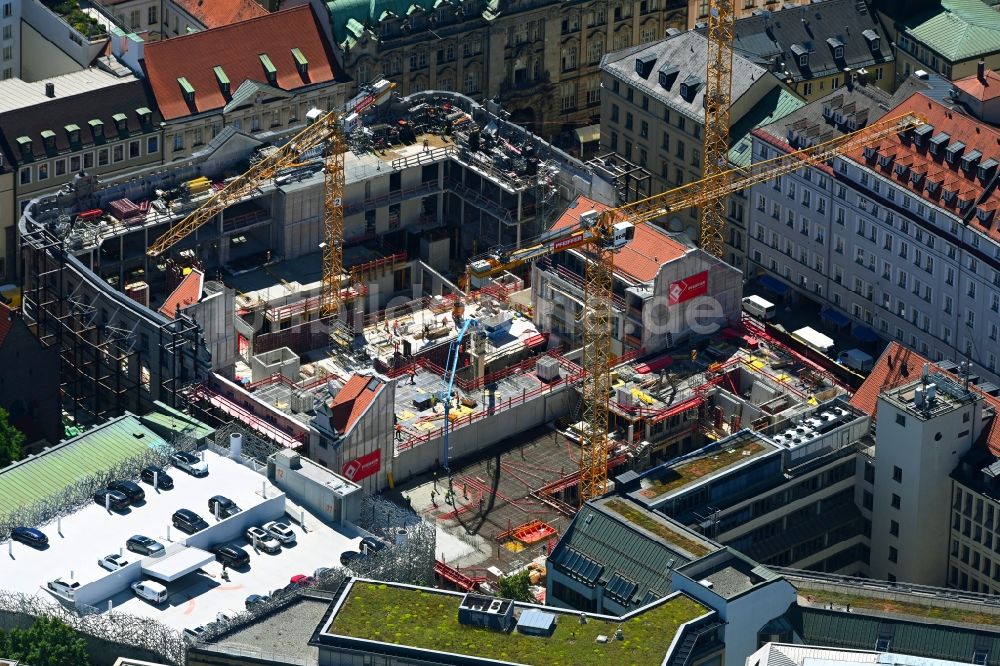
<point>150,590</point>
<point>856,359</point>
<point>759,307</point>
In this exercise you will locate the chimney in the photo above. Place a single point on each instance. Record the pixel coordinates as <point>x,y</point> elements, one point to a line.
<point>50,90</point>
<point>981,71</point>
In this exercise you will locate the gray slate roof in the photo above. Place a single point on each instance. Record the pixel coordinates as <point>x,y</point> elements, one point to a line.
<point>862,99</point>
<point>682,59</point>
<point>816,29</point>
<point>613,547</point>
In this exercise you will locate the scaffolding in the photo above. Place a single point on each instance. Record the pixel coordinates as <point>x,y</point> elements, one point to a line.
<point>113,357</point>
<point>631,181</point>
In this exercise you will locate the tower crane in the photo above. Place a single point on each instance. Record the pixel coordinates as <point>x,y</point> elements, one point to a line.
<point>606,232</point>
<point>324,130</point>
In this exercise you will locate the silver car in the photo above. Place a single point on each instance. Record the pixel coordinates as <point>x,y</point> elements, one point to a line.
<point>262,540</point>
<point>112,562</point>
<point>280,531</point>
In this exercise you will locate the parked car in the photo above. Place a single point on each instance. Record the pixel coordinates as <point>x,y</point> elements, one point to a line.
<point>280,531</point>
<point>301,580</point>
<point>371,545</point>
<point>194,634</point>
<point>351,556</point>
<point>112,499</point>
<point>322,571</point>
<point>190,463</point>
<point>112,562</point>
<point>65,588</point>
<point>144,545</point>
<point>225,616</point>
<point>231,555</point>
<point>163,480</point>
<point>29,535</point>
<point>226,506</point>
<point>262,540</point>
<point>255,600</point>
<point>129,489</point>
<point>150,590</point>
<point>188,521</point>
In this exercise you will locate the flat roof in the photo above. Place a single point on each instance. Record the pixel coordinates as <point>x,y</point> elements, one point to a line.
<point>48,473</point>
<point>17,94</point>
<point>427,620</point>
<point>172,566</point>
<point>91,533</point>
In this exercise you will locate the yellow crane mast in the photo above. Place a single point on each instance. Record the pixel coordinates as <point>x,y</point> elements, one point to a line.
<point>324,130</point>
<point>718,99</point>
<point>607,232</point>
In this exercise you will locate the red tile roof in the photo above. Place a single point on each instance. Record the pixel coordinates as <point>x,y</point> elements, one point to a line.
<point>237,49</point>
<point>217,13</point>
<point>985,89</point>
<point>899,365</point>
<point>951,184</point>
<point>352,401</point>
<point>641,259</point>
<point>7,315</point>
<point>186,293</point>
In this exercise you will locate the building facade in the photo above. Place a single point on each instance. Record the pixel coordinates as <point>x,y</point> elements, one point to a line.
<point>897,237</point>
<point>540,60</point>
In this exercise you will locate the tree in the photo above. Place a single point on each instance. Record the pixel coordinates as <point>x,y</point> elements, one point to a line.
<point>515,587</point>
<point>10,440</point>
<point>48,642</point>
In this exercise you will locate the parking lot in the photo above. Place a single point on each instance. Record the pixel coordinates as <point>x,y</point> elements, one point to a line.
<point>91,533</point>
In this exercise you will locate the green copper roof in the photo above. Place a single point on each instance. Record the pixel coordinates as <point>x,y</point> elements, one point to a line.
<point>963,30</point>
<point>773,106</point>
<point>368,13</point>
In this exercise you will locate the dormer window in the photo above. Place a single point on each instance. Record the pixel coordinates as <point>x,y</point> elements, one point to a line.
<point>949,195</point>
<point>971,160</point>
<point>73,134</point>
<point>186,89</point>
<point>837,47</point>
<point>121,123</point>
<point>871,152</point>
<point>24,143</point>
<point>921,134</point>
<point>668,74</point>
<point>987,169</point>
<point>965,201</point>
<point>954,152</point>
<point>874,42</point>
<point>49,140</point>
<point>985,215</point>
<point>270,71</point>
<point>838,53</point>
<point>684,90</point>
<point>804,60</point>
<point>903,170</point>
<point>938,142</point>
<point>144,115</point>
<point>885,161</point>
<point>96,129</point>
<point>933,186</point>
<point>916,178</point>
<point>301,63</point>
<point>222,79</point>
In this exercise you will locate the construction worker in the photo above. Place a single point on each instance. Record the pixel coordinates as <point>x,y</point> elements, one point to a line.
<point>399,432</point>
<point>427,145</point>
<point>413,375</point>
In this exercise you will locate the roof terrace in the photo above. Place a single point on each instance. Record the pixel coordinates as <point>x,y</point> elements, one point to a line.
<point>426,620</point>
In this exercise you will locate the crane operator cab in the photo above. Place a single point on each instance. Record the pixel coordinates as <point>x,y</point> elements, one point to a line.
<point>621,232</point>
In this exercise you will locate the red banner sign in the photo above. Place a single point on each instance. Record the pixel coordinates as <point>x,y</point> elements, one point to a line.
<point>566,242</point>
<point>363,467</point>
<point>690,287</point>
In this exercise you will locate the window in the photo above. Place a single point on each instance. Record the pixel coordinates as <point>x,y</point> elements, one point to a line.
<point>152,15</point>
<point>893,554</point>
<point>88,160</point>
<point>179,141</point>
<point>61,167</point>
<point>118,153</point>
<point>102,157</point>
<point>25,176</point>
<point>133,149</point>
<point>7,9</point>
<point>8,32</point>
<point>895,501</point>
<point>900,420</point>
<point>134,18</point>
<point>897,474</point>
<point>614,119</point>
<point>152,145</point>
<point>643,129</point>
<point>893,528</point>
<point>628,121</point>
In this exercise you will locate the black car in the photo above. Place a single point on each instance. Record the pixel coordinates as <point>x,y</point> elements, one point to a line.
<point>129,489</point>
<point>371,545</point>
<point>226,506</point>
<point>30,536</point>
<point>256,600</point>
<point>144,545</point>
<point>188,521</point>
<point>112,499</point>
<point>350,556</point>
<point>163,479</point>
<point>231,555</point>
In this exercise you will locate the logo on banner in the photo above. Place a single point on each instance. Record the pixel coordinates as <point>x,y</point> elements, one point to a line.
<point>688,288</point>
<point>363,467</point>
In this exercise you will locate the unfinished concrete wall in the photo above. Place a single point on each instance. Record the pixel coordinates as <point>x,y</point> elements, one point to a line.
<point>216,313</point>
<point>478,436</point>
<point>281,360</point>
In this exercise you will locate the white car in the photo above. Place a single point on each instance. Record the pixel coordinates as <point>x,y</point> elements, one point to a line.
<point>190,463</point>
<point>64,588</point>
<point>225,616</point>
<point>194,634</point>
<point>262,540</point>
<point>280,531</point>
<point>112,562</point>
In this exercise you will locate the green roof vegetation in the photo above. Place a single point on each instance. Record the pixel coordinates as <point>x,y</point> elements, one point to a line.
<point>52,471</point>
<point>635,515</point>
<point>693,470</point>
<point>429,620</point>
<point>913,609</point>
<point>78,19</point>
